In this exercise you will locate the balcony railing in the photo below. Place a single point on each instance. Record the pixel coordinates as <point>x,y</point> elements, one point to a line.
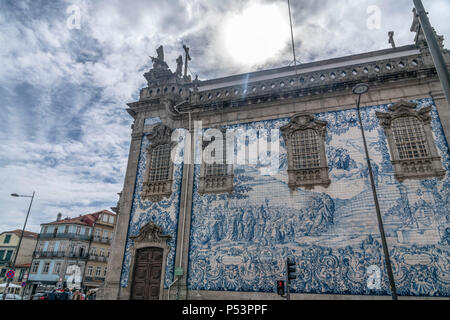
<point>59,254</point>
<point>101,239</point>
<point>64,236</point>
<point>95,257</point>
<point>94,279</point>
<point>78,255</point>
<point>48,254</point>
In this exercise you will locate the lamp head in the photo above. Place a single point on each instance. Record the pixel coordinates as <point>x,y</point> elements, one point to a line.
<point>360,88</point>
<point>14,195</point>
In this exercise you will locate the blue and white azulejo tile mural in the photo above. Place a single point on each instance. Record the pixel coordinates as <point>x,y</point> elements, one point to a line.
<point>163,213</point>
<point>239,241</point>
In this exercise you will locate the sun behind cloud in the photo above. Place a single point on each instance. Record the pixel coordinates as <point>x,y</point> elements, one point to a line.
<point>257,34</point>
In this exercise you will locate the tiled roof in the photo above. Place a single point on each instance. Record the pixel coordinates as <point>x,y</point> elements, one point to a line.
<point>87,219</point>
<point>26,234</point>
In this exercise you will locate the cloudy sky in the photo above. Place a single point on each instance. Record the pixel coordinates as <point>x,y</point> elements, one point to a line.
<point>68,68</point>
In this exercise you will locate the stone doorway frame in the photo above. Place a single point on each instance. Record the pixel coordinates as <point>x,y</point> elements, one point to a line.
<point>150,236</point>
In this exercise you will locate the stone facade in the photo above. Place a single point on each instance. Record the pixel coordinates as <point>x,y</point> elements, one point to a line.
<point>233,245</point>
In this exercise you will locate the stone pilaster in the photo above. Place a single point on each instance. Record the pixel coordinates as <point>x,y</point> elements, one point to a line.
<point>112,290</point>
<point>179,290</point>
<point>443,111</point>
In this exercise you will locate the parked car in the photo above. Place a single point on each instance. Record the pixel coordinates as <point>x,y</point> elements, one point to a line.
<point>11,296</point>
<point>40,296</point>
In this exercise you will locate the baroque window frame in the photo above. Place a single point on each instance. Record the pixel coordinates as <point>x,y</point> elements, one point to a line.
<point>301,122</point>
<point>209,184</point>
<point>416,168</point>
<point>156,191</point>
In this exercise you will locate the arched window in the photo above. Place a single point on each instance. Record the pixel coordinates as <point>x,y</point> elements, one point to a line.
<point>159,167</point>
<point>305,143</point>
<point>216,176</point>
<point>409,138</point>
<point>411,144</point>
<point>160,163</point>
<point>305,149</point>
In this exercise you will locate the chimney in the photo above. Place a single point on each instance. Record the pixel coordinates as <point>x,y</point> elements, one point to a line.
<point>59,216</point>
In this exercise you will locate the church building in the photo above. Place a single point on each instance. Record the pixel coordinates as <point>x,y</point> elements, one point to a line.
<point>229,177</point>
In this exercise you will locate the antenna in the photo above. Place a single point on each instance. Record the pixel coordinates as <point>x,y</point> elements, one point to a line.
<point>292,38</point>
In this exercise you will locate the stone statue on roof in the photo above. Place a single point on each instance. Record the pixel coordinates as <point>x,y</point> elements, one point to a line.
<point>179,66</point>
<point>158,62</point>
<point>420,40</point>
<point>391,38</point>
<point>417,28</point>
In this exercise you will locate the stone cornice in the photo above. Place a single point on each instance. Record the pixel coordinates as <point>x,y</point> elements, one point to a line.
<point>315,82</point>
<point>413,65</point>
<point>321,65</point>
<point>403,109</point>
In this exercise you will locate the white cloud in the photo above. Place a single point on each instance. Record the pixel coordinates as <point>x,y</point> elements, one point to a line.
<point>65,133</point>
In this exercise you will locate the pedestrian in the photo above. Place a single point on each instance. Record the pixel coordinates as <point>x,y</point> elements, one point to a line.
<point>65,294</point>
<point>92,295</point>
<point>52,295</point>
<point>76,295</point>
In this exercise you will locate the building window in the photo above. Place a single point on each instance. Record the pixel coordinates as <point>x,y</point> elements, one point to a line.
<point>111,219</point>
<point>305,149</point>
<point>160,163</point>
<point>7,238</point>
<point>102,252</point>
<point>21,274</point>
<point>45,229</point>
<point>98,271</point>
<point>216,176</point>
<point>89,270</point>
<point>51,247</point>
<point>409,138</point>
<point>86,232</point>
<point>66,229</point>
<point>105,234</point>
<point>82,252</point>
<point>78,232</point>
<point>46,267</point>
<point>97,233</point>
<point>305,143</point>
<point>411,143</point>
<point>3,273</point>
<point>159,167</point>
<point>8,255</point>
<point>57,268</point>
<point>105,218</point>
<point>104,272</point>
<point>2,253</point>
<point>94,251</point>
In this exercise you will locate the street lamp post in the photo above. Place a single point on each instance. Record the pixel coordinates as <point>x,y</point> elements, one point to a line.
<point>360,89</point>
<point>435,50</point>
<point>20,240</point>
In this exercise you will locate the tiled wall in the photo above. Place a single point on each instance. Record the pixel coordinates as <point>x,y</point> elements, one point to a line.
<point>239,242</point>
<point>163,213</point>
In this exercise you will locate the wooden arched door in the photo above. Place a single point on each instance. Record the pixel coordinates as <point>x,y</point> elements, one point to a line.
<point>147,274</point>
